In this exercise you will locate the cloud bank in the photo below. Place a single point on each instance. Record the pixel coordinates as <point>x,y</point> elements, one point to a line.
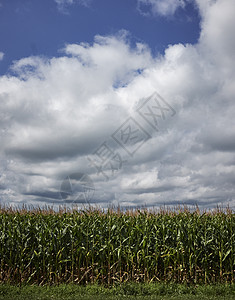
<point>57,112</point>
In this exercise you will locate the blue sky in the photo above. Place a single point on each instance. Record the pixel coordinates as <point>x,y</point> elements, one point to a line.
<point>31,27</point>
<point>124,103</point>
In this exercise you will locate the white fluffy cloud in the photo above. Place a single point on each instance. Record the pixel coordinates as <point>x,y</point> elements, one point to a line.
<point>56,112</point>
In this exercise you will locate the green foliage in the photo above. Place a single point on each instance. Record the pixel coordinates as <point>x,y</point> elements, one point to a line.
<point>113,247</point>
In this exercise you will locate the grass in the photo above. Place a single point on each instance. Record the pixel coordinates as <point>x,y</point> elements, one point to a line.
<point>124,291</point>
<point>112,247</point>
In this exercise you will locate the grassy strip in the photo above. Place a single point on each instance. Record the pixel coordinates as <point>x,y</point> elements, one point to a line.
<point>124,291</point>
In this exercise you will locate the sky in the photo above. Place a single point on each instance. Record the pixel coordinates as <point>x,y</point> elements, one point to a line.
<point>117,103</point>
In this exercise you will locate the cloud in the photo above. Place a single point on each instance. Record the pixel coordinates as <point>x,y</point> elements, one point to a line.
<point>145,7</point>
<point>1,56</point>
<point>63,4</point>
<point>56,112</point>
<point>160,7</point>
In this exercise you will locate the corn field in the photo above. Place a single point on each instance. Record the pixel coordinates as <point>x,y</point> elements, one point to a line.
<point>42,246</point>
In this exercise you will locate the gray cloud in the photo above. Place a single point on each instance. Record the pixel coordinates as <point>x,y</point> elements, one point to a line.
<point>55,113</point>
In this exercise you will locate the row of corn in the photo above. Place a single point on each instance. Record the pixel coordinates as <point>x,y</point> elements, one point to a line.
<point>94,246</point>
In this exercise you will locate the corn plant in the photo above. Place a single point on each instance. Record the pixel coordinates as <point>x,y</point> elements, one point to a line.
<point>96,246</point>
